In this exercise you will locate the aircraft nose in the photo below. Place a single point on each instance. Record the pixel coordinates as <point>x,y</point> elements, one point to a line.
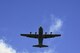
<point>40,27</point>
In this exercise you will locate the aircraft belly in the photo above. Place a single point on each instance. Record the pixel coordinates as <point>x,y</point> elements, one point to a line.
<point>40,41</point>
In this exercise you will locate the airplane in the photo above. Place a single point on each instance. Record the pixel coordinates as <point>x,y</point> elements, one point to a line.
<point>40,36</point>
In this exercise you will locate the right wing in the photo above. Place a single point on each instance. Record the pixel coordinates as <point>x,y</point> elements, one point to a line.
<point>30,35</point>
<point>50,35</point>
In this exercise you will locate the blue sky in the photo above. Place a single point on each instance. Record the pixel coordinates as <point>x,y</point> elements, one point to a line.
<point>24,16</point>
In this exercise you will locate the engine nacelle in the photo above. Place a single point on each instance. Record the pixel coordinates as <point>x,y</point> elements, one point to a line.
<point>50,32</point>
<point>30,32</point>
<point>45,32</point>
<point>35,32</point>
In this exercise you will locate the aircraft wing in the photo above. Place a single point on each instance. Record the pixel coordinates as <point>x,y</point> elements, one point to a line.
<point>50,35</point>
<point>30,35</point>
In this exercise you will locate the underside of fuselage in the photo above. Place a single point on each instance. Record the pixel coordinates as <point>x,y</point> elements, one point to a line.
<point>40,38</point>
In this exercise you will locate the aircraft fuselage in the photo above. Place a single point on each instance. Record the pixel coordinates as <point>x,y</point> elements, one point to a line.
<point>40,37</point>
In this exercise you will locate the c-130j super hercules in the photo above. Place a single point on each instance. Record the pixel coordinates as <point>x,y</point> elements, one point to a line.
<point>40,36</point>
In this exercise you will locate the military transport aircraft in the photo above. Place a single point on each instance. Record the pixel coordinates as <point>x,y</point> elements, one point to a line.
<point>40,36</point>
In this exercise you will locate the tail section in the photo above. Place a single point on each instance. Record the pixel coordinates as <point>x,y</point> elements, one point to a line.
<point>40,46</point>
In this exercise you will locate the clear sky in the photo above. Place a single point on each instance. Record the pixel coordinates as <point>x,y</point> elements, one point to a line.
<point>24,16</point>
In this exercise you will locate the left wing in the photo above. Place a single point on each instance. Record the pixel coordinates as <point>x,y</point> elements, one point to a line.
<point>30,35</point>
<point>50,35</point>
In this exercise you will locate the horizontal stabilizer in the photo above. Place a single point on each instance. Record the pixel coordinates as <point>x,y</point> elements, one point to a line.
<point>40,46</point>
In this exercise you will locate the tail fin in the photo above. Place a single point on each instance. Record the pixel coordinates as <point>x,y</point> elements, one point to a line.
<point>40,46</point>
